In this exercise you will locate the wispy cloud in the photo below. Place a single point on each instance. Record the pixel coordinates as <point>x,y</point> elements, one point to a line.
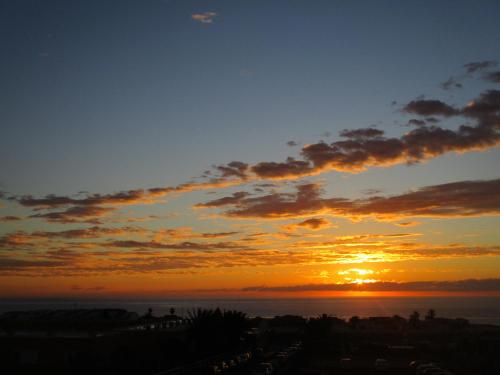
<point>451,83</point>
<point>471,285</point>
<point>69,253</point>
<point>205,17</point>
<point>91,208</point>
<point>10,218</point>
<point>476,66</point>
<point>493,76</point>
<point>188,245</point>
<point>314,223</point>
<point>408,224</point>
<point>76,214</point>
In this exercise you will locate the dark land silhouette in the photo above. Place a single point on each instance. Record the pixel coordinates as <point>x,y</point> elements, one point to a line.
<point>214,341</point>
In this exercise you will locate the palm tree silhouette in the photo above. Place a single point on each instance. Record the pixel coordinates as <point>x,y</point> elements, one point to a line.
<point>216,329</point>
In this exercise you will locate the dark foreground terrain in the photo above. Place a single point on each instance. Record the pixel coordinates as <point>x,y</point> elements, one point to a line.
<point>210,342</point>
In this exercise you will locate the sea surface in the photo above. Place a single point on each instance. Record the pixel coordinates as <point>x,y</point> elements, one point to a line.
<point>480,310</point>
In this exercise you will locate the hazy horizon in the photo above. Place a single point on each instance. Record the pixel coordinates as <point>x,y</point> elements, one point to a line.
<point>483,310</point>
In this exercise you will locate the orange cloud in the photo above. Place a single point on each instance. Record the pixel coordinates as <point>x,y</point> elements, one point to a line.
<point>457,199</point>
<point>205,17</point>
<point>16,239</point>
<point>138,257</point>
<point>408,224</point>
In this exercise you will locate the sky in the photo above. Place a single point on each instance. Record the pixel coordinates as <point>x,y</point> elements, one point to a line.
<point>249,148</point>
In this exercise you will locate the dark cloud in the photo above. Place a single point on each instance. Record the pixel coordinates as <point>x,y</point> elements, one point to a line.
<point>371,191</point>
<point>451,83</point>
<point>261,188</point>
<point>14,240</point>
<point>77,214</point>
<point>266,185</point>
<point>92,232</point>
<point>476,66</point>
<point>187,245</point>
<point>431,107</point>
<point>305,201</point>
<point>418,144</point>
<point>352,154</point>
<point>492,77</point>
<point>431,141</point>
<point>416,122</point>
<point>471,285</point>
<point>432,120</point>
<point>289,168</point>
<point>471,69</point>
<point>13,264</point>
<point>218,234</point>
<point>314,223</point>
<point>10,218</point>
<point>53,201</point>
<point>98,288</point>
<point>90,208</point>
<point>486,108</point>
<point>225,201</point>
<point>463,198</point>
<point>233,169</point>
<point>187,232</point>
<point>361,133</point>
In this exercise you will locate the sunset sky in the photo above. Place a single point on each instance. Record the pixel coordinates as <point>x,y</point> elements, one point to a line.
<point>249,148</point>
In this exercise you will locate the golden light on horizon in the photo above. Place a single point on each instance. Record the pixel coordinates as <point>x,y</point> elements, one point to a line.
<point>359,271</point>
<point>364,281</point>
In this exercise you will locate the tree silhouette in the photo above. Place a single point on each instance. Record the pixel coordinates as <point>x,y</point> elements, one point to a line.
<point>214,329</point>
<point>414,319</point>
<point>353,322</point>
<point>431,314</point>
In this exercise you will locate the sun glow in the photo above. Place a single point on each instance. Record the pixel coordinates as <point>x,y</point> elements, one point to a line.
<point>359,271</point>
<point>357,275</point>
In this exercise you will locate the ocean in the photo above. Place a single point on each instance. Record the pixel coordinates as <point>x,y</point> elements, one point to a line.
<point>480,310</point>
